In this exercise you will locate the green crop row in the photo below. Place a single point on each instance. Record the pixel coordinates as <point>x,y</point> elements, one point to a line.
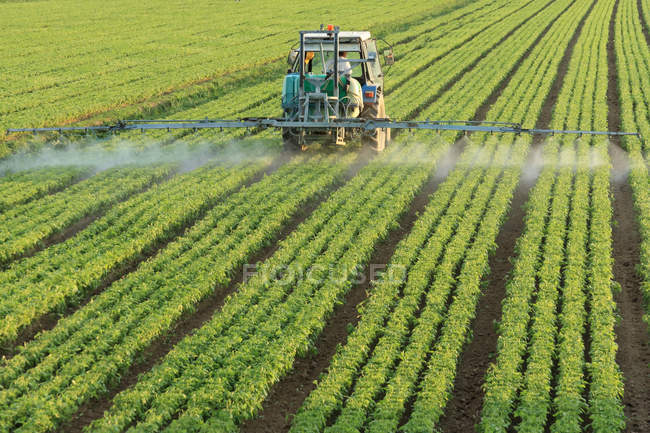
<point>605,379</point>
<point>504,377</point>
<point>428,238</point>
<point>552,269</point>
<point>24,227</point>
<point>633,66</point>
<point>21,187</point>
<point>63,274</point>
<point>569,403</point>
<point>86,352</point>
<point>352,409</point>
<point>274,316</point>
<point>534,398</point>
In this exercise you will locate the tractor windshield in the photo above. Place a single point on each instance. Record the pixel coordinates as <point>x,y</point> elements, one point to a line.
<point>321,62</point>
<point>374,68</point>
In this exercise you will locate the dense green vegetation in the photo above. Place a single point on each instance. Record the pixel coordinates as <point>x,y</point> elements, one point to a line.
<point>128,288</point>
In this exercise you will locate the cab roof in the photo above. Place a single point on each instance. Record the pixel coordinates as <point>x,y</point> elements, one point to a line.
<point>342,35</point>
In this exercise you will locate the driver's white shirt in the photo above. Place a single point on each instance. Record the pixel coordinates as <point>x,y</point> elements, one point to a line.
<point>345,67</point>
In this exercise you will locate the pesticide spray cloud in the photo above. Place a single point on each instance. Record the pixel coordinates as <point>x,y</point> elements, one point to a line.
<point>101,155</point>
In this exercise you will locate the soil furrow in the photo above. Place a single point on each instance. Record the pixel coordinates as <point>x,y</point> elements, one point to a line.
<point>633,355</point>
<point>203,312</point>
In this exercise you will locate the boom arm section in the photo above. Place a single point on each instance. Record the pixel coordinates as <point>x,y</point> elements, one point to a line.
<point>354,123</point>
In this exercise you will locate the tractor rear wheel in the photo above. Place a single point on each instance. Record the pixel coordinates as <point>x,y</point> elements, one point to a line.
<point>381,136</point>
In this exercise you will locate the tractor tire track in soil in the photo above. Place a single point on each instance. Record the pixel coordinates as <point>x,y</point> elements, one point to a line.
<point>205,310</point>
<point>50,320</point>
<point>286,396</point>
<point>633,355</point>
<point>464,407</point>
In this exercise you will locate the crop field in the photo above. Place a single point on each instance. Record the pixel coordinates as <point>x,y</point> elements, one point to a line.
<point>213,281</point>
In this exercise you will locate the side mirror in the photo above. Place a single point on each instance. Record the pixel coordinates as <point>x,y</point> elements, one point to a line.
<point>291,58</point>
<point>388,57</point>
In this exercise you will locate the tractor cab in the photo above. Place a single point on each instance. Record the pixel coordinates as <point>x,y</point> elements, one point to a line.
<point>333,75</point>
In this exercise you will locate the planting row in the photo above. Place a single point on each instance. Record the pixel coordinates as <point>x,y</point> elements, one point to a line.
<point>87,352</point>
<point>65,273</point>
<point>24,186</point>
<point>541,378</point>
<point>633,61</point>
<point>24,227</point>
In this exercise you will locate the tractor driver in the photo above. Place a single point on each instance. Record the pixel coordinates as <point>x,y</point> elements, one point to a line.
<point>345,67</point>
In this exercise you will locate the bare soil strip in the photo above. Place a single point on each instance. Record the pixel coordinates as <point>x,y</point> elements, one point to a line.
<point>94,409</point>
<point>463,410</point>
<point>50,320</point>
<point>633,354</point>
<point>643,21</point>
<point>289,393</point>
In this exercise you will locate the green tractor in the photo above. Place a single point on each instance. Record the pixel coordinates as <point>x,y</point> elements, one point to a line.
<point>334,76</point>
